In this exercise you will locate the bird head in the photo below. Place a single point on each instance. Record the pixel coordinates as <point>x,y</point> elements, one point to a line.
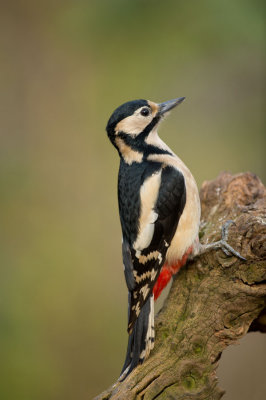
<point>132,122</point>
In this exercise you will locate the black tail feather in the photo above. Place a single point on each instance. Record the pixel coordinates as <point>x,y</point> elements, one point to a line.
<point>138,340</point>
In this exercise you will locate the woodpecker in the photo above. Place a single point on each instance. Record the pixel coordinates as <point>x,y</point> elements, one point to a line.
<point>159,210</point>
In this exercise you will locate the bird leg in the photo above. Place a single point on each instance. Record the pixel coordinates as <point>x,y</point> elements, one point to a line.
<point>221,244</point>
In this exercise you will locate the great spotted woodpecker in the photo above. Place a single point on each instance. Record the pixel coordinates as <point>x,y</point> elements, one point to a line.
<point>159,211</point>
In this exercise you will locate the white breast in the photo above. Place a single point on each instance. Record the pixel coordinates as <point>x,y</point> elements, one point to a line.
<point>188,227</point>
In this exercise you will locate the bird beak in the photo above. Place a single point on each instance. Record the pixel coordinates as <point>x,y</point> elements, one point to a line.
<point>168,105</point>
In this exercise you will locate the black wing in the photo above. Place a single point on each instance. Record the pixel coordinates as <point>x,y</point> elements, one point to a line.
<point>143,266</point>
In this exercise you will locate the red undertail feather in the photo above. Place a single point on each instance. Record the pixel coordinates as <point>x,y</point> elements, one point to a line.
<point>167,272</point>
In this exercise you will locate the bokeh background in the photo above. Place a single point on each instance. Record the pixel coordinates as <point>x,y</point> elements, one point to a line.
<point>65,66</point>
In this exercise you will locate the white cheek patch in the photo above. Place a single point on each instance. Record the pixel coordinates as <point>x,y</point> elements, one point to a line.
<point>134,124</point>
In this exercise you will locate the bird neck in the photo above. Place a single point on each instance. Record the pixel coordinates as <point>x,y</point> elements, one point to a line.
<point>154,140</point>
<point>137,150</point>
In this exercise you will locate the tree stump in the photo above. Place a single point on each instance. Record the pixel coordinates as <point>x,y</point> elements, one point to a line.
<point>214,300</point>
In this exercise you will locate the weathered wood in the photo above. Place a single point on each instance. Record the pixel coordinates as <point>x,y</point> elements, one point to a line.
<point>214,300</point>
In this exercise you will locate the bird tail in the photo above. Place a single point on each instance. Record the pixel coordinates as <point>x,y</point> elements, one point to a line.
<point>141,340</point>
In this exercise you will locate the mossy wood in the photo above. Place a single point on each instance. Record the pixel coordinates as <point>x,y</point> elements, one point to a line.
<point>214,300</point>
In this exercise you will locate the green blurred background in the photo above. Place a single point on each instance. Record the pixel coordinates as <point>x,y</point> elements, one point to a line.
<point>65,66</point>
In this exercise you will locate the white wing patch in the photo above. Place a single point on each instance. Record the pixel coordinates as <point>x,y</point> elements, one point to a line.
<point>148,196</point>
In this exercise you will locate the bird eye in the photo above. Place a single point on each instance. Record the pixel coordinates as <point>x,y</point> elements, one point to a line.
<point>145,112</point>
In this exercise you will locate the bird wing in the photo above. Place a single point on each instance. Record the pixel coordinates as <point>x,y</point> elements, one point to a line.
<point>162,200</point>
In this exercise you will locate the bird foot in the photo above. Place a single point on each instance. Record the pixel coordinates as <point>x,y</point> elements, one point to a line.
<point>222,243</point>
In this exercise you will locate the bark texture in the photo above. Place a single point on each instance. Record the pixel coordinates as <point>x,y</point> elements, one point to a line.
<point>214,300</point>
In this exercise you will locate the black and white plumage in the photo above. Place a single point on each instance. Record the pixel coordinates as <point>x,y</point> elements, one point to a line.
<point>159,211</point>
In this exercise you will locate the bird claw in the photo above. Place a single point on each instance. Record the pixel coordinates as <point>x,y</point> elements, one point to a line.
<point>222,244</point>
<point>228,250</point>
